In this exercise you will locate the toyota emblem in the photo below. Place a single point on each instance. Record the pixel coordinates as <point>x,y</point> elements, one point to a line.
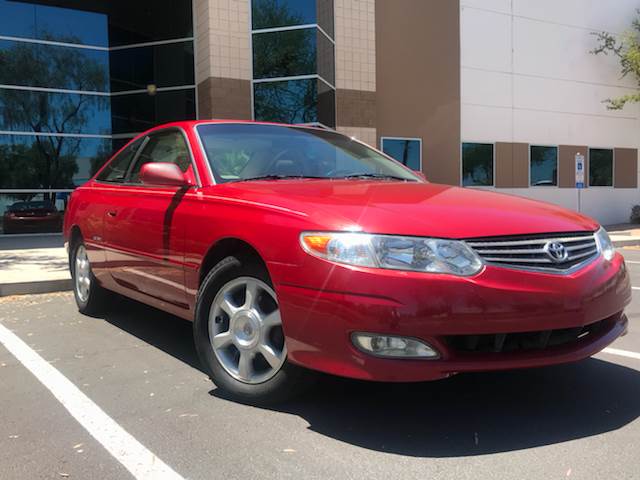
<point>556,251</point>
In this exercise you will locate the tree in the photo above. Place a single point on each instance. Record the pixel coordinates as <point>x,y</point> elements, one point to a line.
<point>627,49</point>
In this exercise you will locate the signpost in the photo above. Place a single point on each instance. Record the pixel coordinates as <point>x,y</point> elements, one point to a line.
<point>579,177</point>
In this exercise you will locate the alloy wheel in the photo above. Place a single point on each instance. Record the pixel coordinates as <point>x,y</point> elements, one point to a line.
<point>245,330</point>
<point>82,274</point>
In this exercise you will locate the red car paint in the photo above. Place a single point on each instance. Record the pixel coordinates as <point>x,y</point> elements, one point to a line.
<point>149,243</point>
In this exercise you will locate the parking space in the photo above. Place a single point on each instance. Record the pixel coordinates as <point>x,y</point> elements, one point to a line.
<point>139,367</point>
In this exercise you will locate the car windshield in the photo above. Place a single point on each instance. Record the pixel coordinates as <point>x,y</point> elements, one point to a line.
<point>24,206</point>
<point>244,152</point>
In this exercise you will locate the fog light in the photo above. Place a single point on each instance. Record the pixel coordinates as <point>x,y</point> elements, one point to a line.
<point>391,346</point>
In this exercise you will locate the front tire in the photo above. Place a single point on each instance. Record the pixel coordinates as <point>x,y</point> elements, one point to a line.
<point>239,337</point>
<point>90,296</point>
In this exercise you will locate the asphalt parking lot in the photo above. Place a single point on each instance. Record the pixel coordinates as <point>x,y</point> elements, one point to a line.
<point>139,367</point>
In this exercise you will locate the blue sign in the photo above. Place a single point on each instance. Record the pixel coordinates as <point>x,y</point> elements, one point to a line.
<point>579,184</point>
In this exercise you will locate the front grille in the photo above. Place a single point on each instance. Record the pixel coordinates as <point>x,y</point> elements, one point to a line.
<point>536,252</point>
<point>523,341</point>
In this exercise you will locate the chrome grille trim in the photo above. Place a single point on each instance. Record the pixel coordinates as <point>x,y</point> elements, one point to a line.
<point>528,252</point>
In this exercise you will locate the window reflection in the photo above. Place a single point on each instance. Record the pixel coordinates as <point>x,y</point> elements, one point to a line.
<point>477,164</point>
<point>544,166</point>
<point>600,167</point>
<point>162,65</point>
<point>284,54</point>
<point>46,112</point>
<point>141,111</point>
<point>51,66</point>
<point>45,162</point>
<point>35,212</point>
<point>295,101</point>
<point>26,20</point>
<point>406,151</point>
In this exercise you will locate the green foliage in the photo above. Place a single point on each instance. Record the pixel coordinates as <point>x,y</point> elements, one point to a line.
<point>627,48</point>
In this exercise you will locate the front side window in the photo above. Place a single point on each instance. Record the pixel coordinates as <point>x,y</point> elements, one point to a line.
<point>600,167</point>
<point>477,164</point>
<point>164,147</point>
<point>116,170</point>
<point>239,152</point>
<point>544,166</point>
<point>407,151</point>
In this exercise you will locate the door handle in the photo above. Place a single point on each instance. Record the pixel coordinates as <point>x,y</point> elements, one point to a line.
<point>112,213</point>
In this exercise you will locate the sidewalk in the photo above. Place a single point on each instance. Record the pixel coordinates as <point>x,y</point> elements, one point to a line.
<point>33,264</point>
<point>39,264</point>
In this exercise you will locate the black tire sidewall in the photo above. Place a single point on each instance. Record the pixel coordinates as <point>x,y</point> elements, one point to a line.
<point>279,387</point>
<point>96,293</point>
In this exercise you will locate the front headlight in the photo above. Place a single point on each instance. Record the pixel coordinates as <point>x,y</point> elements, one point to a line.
<point>605,245</point>
<point>415,254</point>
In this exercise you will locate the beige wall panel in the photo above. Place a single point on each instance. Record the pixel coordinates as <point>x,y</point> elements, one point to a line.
<point>418,95</point>
<point>355,26</point>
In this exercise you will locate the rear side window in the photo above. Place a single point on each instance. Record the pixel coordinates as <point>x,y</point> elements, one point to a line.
<point>116,170</point>
<point>164,147</point>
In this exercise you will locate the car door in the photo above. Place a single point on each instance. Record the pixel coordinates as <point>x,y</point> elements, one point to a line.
<point>145,237</point>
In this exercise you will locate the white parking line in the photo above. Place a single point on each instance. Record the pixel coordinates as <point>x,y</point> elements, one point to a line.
<point>622,353</point>
<point>143,464</point>
<point>632,261</point>
<point>635,288</point>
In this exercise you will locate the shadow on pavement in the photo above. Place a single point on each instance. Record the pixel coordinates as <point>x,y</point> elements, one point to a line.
<point>466,415</point>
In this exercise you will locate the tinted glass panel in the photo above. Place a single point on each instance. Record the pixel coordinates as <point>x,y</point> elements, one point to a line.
<point>243,152</point>
<point>600,167</point>
<point>406,152</point>
<point>46,112</point>
<point>544,166</point>
<point>21,19</point>
<point>161,65</point>
<point>34,212</point>
<point>295,101</point>
<point>326,58</point>
<point>284,54</point>
<point>325,14</point>
<point>117,169</point>
<point>166,147</point>
<point>282,13</point>
<point>477,164</point>
<point>139,22</point>
<point>139,112</point>
<point>50,66</point>
<point>28,161</point>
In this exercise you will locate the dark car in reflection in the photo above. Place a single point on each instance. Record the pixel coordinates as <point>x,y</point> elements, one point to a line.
<point>32,217</point>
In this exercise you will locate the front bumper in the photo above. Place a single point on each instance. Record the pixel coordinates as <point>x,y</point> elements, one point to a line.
<point>319,319</point>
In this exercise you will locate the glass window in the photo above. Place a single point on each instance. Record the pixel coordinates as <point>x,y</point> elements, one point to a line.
<point>46,112</point>
<point>45,162</point>
<point>141,111</point>
<point>600,167</point>
<point>244,151</point>
<point>116,170</point>
<point>25,20</point>
<point>167,65</point>
<point>140,22</point>
<point>406,151</point>
<point>477,164</point>
<point>51,66</point>
<point>285,54</point>
<point>282,13</point>
<point>544,166</point>
<point>295,101</point>
<point>32,212</point>
<point>326,58</point>
<point>164,147</point>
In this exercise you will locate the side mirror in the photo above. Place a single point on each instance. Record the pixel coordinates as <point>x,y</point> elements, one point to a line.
<point>163,174</point>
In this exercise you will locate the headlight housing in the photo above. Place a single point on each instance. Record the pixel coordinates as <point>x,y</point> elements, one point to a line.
<point>416,254</point>
<point>605,245</point>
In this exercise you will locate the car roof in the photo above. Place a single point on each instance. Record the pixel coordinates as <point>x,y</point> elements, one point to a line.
<point>187,124</point>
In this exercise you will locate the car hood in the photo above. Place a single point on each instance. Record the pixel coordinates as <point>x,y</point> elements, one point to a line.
<point>402,208</point>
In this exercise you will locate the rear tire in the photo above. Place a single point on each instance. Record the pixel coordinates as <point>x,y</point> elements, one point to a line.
<point>238,309</point>
<point>90,297</point>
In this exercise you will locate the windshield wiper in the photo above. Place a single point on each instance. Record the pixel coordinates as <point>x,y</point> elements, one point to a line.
<point>278,177</point>
<point>381,176</point>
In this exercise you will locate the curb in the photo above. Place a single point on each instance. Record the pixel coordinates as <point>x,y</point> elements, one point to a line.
<point>31,288</point>
<point>626,243</point>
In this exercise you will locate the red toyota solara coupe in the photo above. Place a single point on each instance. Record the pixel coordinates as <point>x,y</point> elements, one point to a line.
<point>294,248</point>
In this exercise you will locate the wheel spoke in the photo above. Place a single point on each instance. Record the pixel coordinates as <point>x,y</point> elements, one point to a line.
<point>272,320</point>
<point>222,340</point>
<point>245,365</point>
<point>251,294</point>
<point>270,356</point>
<point>228,307</point>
